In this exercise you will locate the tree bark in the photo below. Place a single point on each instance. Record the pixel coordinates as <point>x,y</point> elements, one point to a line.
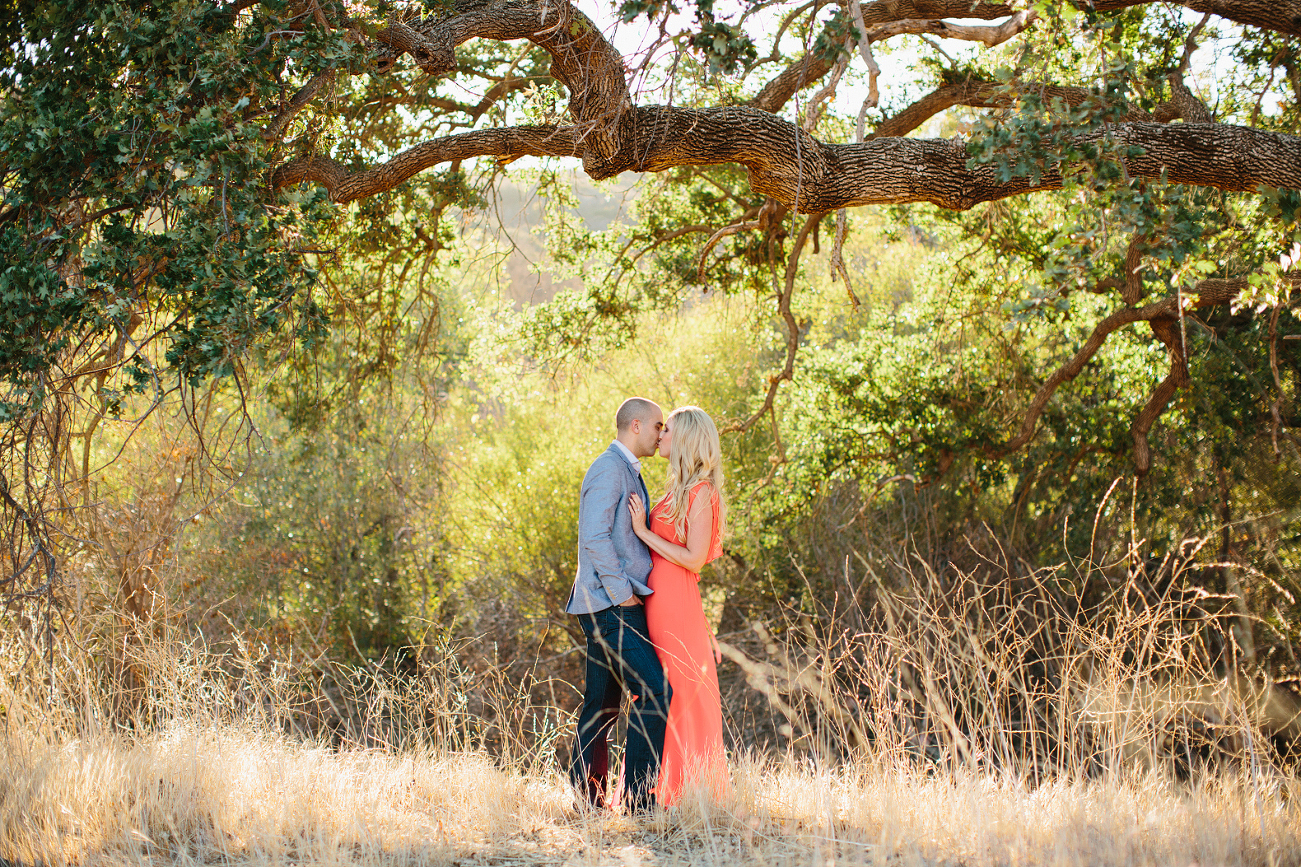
<point>885,11</point>
<point>808,175</point>
<point>505,144</point>
<point>611,135</point>
<point>1283,16</point>
<point>800,74</point>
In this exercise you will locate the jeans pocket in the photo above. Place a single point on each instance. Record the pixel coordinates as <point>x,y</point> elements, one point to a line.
<point>607,620</point>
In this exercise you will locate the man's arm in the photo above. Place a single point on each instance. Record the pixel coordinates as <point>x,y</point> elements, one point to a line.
<point>598,507</point>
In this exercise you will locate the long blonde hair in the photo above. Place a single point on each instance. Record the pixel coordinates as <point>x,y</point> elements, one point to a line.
<point>694,457</point>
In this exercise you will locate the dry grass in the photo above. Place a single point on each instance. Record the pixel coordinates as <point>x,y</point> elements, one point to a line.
<point>974,721</point>
<point>200,794</point>
<point>215,774</point>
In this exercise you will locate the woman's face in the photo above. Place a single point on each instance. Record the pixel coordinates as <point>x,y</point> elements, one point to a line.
<point>666,437</point>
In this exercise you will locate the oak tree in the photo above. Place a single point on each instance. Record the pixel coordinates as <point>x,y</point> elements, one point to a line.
<point>187,183</point>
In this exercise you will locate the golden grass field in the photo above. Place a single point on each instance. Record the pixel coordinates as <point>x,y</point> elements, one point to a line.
<point>197,787</point>
<point>933,739</point>
<point>202,795</point>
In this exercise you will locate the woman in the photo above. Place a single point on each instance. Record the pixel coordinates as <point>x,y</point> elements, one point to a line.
<point>685,533</point>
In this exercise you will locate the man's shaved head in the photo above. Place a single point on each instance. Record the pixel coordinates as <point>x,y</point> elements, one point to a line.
<point>631,410</point>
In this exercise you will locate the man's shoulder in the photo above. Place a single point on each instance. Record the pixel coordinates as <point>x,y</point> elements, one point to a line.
<point>605,464</point>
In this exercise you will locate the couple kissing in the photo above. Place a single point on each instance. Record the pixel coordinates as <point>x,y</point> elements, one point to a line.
<point>637,598</point>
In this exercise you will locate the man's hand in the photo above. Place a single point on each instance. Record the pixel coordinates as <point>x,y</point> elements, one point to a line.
<point>632,600</point>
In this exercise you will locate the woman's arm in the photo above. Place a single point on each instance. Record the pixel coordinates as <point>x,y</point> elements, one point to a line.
<point>700,531</point>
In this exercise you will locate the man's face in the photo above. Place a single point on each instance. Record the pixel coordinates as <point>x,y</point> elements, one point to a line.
<point>648,433</point>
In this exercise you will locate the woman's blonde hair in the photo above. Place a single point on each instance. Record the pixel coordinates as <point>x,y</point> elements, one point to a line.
<point>694,457</point>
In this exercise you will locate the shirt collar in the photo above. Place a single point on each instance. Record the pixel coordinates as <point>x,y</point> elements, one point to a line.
<point>632,459</point>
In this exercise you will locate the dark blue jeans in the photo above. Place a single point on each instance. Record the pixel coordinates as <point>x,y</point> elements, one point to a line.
<point>620,656</point>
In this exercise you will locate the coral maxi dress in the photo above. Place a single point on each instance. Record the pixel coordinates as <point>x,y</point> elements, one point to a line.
<point>693,745</point>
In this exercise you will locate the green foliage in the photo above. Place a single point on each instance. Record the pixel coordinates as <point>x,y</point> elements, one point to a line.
<point>726,47</point>
<point>524,436</point>
<point>838,31</point>
<point>1039,136</point>
<point>134,163</point>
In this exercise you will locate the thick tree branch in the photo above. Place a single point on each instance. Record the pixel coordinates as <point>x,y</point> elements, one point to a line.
<point>1283,16</point>
<point>884,11</point>
<point>432,56</point>
<point>1131,291</point>
<point>810,176</point>
<point>581,59</point>
<point>1186,103</point>
<point>800,74</point>
<point>786,163</point>
<point>504,144</point>
<point>989,35</point>
<point>783,162</point>
<point>1165,329</point>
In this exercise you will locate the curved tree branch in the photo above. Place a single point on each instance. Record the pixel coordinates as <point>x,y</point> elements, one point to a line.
<point>1075,366</point>
<point>792,330</point>
<point>1161,316</point>
<point>882,11</point>
<point>1143,422</point>
<point>505,144</point>
<point>1283,16</point>
<point>800,74</point>
<point>305,94</point>
<point>722,233</point>
<point>432,56</point>
<point>581,59</point>
<point>990,35</point>
<point>877,19</point>
<point>977,93</point>
<point>784,162</point>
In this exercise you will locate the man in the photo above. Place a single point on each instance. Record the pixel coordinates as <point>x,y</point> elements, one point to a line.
<point>613,565</point>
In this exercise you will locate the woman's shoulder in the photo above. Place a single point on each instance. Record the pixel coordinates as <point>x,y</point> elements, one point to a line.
<point>705,487</point>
